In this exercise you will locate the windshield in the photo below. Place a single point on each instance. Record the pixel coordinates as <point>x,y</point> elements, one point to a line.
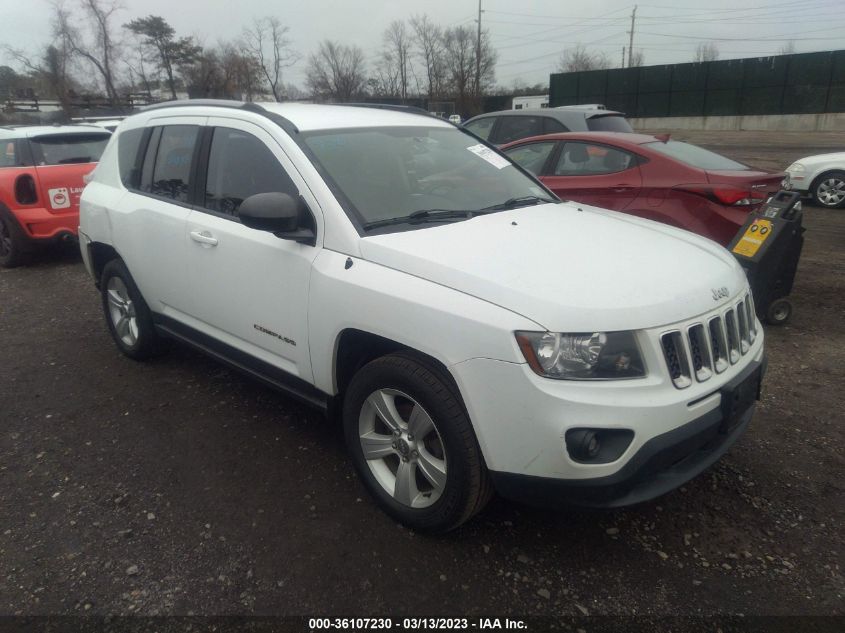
<point>63,149</point>
<point>389,173</point>
<point>695,156</point>
<point>609,123</point>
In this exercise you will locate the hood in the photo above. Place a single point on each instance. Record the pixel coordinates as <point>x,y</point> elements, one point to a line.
<point>835,157</point>
<point>569,268</point>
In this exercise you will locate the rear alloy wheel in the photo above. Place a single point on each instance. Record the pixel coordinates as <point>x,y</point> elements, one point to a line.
<point>12,244</point>
<point>413,445</point>
<point>829,189</point>
<point>127,315</point>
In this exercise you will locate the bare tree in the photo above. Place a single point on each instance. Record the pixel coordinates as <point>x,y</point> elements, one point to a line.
<point>243,76</point>
<point>459,48</point>
<point>428,38</point>
<point>578,58</point>
<point>706,52</point>
<point>637,58</point>
<point>169,51</point>
<point>459,44</point>
<point>396,55</point>
<point>267,42</point>
<point>787,49</point>
<point>336,71</point>
<point>95,42</point>
<point>50,73</point>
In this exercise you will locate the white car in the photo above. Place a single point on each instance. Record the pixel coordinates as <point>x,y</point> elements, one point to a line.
<point>821,176</point>
<point>472,331</point>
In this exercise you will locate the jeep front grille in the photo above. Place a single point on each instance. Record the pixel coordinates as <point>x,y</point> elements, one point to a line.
<point>698,350</point>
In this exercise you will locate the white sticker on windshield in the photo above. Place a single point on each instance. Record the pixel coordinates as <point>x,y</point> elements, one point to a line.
<point>482,151</point>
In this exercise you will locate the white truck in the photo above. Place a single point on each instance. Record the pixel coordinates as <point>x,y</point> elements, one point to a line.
<point>471,331</point>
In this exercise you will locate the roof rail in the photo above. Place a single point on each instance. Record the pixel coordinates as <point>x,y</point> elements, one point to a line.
<point>396,108</point>
<point>278,119</point>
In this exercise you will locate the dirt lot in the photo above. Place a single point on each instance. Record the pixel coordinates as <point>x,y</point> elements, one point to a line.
<point>180,487</point>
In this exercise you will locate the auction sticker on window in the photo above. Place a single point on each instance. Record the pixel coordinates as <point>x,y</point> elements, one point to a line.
<point>753,238</point>
<point>482,151</point>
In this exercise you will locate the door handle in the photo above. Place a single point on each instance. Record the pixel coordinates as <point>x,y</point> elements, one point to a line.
<point>204,237</point>
<point>621,188</point>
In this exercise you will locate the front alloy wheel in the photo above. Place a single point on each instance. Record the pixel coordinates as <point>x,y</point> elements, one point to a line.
<point>830,190</point>
<point>402,447</point>
<point>412,443</point>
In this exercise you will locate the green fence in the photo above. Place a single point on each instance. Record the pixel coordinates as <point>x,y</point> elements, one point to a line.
<point>804,83</point>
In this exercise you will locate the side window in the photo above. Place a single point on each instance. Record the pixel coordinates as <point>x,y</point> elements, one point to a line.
<point>9,156</point>
<point>171,169</point>
<point>239,166</point>
<point>128,160</point>
<point>553,126</point>
<point>585,159</point>
<point>532,156</point>
<point>513,128</point>
<point>482,127</point>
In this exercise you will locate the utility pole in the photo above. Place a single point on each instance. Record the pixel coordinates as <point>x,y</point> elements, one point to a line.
<point>623,58</point>
<point>478,55</point>
<point>631,33</point>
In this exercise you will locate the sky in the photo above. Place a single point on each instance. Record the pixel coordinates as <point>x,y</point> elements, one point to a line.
<point>529,35</point>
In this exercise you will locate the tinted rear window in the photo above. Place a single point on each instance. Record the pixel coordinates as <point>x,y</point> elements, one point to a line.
<point>128,144</point>
<point>695,156</point>
<point>609,123</point>
<point>65,149</point>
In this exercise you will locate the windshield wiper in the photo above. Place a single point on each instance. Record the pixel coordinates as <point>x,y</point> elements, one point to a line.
<point>423,215</point>
<point>513,203</point>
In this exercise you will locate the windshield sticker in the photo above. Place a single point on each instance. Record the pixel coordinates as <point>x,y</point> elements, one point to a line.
<point>499,162</point>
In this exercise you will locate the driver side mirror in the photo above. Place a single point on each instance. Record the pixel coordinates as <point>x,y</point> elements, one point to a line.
<point>283,215</point>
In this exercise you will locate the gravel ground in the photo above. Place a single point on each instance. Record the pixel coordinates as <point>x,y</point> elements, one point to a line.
<point>180,487</point>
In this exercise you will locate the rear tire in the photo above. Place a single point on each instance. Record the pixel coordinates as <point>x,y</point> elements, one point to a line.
<point>829,190</point>
<point>423,464</point>
<point>127,315</point>
<point>13,243</point>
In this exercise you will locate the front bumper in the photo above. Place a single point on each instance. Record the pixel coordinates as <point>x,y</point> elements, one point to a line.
<point>662,464</point>
<point>522,420</point>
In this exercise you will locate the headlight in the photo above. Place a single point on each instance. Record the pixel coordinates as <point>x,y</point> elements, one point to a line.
<point>595,356</point>
<point>796,167</point>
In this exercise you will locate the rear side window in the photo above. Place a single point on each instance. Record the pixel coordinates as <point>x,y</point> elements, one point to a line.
<point>10,156</point>
<point>171,166</point>
<point>585,159</point>
<point>609,123</point>
<point>532,156</point>
<point>128,159</point>
<point>513,128</point>
<point>65,149</point>
<point>553,126</point>
<point>239,166</point>
<point>695,156</point>
<point>482,127</point>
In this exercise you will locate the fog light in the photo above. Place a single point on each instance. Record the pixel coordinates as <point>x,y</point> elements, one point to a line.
<point>597,446</point>
<point>584,444</point>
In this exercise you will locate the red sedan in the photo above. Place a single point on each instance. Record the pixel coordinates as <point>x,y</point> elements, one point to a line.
<point>652,177</point>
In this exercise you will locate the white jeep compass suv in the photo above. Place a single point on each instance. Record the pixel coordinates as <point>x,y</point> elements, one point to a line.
<point>473,331</point>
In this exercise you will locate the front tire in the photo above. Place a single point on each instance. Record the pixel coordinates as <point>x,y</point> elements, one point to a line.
<point>412,444</point>
<point>127,314</point>
<point>829,190</point>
